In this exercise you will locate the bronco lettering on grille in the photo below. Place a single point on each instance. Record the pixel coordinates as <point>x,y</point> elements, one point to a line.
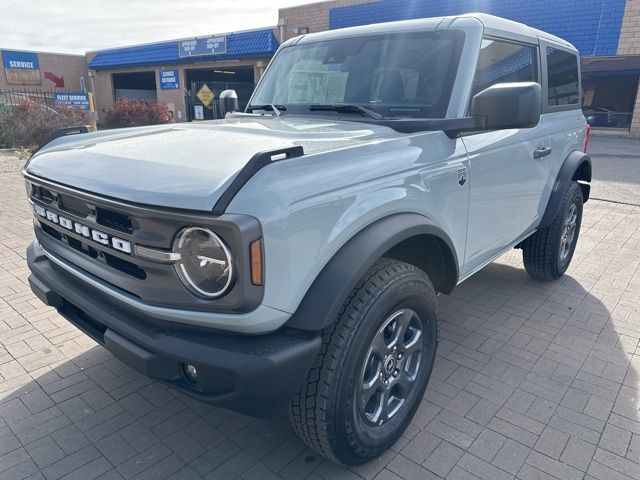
<point>87,232</point>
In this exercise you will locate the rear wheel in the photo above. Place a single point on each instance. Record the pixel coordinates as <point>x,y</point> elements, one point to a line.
<point>373,368</point>
<point>548,252</point>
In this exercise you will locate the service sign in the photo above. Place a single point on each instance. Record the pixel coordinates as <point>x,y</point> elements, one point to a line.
<point>21,68</point>
<point>203,46</point>
<point>169,80</point>
<point>76,100</point>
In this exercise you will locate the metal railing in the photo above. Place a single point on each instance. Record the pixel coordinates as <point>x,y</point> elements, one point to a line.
<point>11,98</point>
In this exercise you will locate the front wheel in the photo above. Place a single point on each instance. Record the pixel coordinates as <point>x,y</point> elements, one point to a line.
<point>373,367</point>
<point>548,252</point>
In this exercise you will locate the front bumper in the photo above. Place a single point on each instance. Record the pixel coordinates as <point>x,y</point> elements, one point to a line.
<point>252,374</point>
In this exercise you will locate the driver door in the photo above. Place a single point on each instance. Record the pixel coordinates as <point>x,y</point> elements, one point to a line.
<point>506,181</point>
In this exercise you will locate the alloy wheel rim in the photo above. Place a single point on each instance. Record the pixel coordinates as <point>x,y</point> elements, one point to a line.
<point>568,231</point>
<point>391,367</point>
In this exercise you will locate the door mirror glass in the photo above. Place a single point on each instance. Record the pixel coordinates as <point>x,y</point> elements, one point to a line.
<point>508,105</point>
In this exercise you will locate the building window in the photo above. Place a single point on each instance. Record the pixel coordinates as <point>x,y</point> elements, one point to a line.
<point>609,89</point>
<point>562,71</point>
<point>501,62</point>
<point>135,85</point>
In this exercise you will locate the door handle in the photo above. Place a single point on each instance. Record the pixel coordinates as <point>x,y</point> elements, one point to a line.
<point>541,152</point>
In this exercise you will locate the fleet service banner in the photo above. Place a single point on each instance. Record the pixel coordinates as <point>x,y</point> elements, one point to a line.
<point>76,100</point>
<point>21,68</point>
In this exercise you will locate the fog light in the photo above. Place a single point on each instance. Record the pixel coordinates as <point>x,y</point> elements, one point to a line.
<point>191,372</point>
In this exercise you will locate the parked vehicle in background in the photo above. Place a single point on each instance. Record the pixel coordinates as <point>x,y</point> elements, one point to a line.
<point>602,116</point>
<point>291,256</point>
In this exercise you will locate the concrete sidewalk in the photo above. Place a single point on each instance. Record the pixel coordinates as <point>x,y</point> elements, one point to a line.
<point>614,146</point>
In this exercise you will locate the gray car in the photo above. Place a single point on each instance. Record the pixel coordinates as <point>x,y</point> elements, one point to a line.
<point>289,257</point>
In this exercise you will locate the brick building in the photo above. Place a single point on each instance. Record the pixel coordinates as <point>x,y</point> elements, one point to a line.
<point>607,33</point>
<point>28,71</point>
<point>186,74</point>
<point>629,45</point>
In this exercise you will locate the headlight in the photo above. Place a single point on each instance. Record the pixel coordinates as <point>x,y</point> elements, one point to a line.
<point>205,265</point>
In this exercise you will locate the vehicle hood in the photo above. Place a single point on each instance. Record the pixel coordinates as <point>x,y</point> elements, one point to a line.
<point>186,165</point>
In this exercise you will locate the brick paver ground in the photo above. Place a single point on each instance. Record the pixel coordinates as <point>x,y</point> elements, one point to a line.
<point>533,380</point>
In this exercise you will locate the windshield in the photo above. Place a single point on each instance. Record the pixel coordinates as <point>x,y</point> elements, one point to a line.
<point>397,75</point>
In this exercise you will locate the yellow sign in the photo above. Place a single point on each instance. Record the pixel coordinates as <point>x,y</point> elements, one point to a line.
<point>205,95</point>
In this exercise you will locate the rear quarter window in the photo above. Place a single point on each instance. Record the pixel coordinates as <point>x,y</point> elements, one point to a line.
<point>562,77</point>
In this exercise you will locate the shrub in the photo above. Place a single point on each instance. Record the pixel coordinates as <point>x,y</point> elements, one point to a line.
<point>4,110</point>
<point>135,113</point>
<point>30,122</point>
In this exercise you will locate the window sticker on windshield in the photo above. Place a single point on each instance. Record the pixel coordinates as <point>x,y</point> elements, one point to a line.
<point>308,86</point>
<point>336,87</point>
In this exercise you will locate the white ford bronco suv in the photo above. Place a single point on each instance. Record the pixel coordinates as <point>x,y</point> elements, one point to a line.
<point>290,256</point>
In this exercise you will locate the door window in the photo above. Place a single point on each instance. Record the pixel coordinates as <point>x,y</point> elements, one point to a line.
<point>562,77</point>
<point>501,61</point>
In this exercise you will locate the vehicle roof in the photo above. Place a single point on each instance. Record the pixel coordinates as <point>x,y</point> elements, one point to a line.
<point>494,26</point>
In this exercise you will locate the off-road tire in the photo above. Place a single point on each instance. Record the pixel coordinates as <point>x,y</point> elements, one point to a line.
<point>324,411</point>
<point>541,252</point>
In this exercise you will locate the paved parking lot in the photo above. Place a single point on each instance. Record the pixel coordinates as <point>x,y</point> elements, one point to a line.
<point>533,381</point>
<point>617,169</point>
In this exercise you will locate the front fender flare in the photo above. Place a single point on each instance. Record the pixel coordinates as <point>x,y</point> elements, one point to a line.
<point>325,298</point>
<point>577,166</point>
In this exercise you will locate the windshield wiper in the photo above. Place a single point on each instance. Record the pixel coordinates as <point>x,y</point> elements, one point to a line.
<point>276,109</point>
<point>348,107</point>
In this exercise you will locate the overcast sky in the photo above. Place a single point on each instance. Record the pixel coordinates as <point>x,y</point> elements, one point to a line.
<point>74,26</point>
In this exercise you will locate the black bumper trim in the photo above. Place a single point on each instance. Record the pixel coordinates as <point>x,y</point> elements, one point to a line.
<point>252,374</point>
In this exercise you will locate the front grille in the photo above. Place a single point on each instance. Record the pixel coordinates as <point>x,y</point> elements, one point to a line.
<point>125,266</point>
<point>80,208</point>
<point>82,248</point>
<point>43,194</point>
<point>148,280</point>
<point>52,232</point>
<point>70,204</point>
<point>85,248</point>
<point>112,219</point>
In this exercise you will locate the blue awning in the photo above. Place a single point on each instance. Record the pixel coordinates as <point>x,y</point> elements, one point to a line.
<point>253,43</point>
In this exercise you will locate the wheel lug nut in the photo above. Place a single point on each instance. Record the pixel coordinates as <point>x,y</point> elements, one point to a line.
<point>399,356</point>
<point>396,374</point>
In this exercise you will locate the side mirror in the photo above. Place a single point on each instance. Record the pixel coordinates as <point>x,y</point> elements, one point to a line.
<point>508,105</point>
<point>228,102</point>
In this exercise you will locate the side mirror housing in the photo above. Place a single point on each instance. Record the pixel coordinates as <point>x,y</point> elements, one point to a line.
<point>228,102</point>
<point>508,105</point>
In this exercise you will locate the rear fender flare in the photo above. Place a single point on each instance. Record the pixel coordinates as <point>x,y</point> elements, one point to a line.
<point>577,166</point>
